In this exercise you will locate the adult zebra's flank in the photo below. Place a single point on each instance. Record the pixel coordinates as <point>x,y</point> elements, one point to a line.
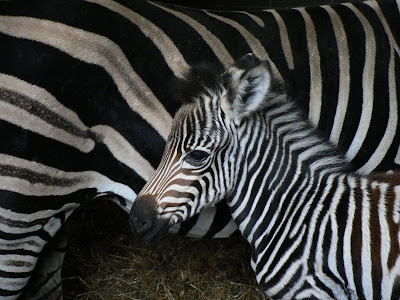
<point>315,230</point>
<point>85,102</point>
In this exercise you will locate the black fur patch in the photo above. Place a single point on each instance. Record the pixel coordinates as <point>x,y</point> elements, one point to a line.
<point>247,62</point>
<point>201,79</point>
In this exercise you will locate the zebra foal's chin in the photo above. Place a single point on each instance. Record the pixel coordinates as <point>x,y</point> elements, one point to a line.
<point>316,230</point>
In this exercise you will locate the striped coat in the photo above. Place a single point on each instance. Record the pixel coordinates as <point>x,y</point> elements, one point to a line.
<point>86,103</point>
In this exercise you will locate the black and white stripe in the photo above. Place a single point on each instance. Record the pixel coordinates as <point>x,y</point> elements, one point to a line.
<point>86,103</point>
<point>316,231</point>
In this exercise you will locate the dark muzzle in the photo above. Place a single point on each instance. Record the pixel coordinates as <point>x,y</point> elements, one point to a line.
<point>144,221</point>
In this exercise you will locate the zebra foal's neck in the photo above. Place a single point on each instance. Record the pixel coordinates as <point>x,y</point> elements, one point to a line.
<point>285,155</point>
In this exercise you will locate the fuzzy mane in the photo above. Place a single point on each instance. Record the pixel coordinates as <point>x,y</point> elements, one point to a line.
<point>202,78</point>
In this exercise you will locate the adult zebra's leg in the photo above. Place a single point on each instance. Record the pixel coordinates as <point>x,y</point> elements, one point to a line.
<point>45,282</point>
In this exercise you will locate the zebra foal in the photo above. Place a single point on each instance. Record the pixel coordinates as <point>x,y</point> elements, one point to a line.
<point>316,230</point>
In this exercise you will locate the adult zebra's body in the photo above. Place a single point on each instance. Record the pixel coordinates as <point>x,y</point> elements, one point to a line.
<point>80,83</point>
<point>316,231</point>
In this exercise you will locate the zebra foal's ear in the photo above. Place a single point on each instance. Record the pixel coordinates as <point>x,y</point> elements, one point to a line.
<point>249,82</point>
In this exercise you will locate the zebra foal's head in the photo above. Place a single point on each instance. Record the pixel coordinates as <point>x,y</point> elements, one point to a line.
<point>203,151</point>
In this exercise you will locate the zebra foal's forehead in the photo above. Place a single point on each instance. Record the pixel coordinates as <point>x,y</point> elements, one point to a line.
<point>198,118</point>
<point>201,91</point>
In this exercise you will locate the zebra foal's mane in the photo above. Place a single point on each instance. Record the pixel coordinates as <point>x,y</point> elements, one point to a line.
<point>201,78</point>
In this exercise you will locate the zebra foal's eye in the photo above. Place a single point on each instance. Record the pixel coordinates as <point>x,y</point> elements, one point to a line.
<point>196,157</point>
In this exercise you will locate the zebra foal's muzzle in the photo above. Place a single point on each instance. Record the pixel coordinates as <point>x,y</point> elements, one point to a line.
<point>144,221</point>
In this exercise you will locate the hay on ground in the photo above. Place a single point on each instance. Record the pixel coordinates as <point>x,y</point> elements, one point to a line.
<point>104,261</point>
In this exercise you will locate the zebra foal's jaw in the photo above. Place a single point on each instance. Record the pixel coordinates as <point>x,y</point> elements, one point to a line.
<point>144,221</point>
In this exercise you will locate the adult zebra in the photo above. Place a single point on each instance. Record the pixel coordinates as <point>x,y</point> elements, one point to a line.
<point>80,83</point>
<point>315,230</point>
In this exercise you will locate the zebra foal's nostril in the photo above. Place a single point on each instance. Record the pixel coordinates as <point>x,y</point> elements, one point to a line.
<point>142,215</point>
<point>139,226</point>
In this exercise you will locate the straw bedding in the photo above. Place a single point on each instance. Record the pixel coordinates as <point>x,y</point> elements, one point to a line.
<point>104,261</point>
